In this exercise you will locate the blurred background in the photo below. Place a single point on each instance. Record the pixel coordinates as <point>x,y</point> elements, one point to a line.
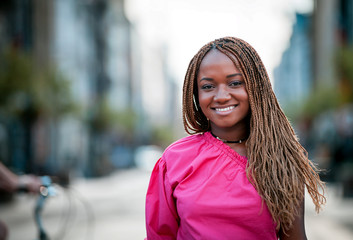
<point>90,90</point>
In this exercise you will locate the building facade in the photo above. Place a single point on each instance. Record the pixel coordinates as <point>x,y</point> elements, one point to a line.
<point>110,68</point>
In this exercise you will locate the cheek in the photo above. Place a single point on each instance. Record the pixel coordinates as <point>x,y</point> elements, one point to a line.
<point>245,99</point>
<point>243,95</point>
<point>204,101</point>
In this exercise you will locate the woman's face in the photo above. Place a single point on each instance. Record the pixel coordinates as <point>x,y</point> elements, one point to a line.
<point>222,93</point>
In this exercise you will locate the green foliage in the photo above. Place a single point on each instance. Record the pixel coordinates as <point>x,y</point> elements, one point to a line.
<point>322,99</point>
<point>126,118</point>
<point>293,110</point>
<point>162,135</point>
<point>325,98</point>
<point>25,86</point>
<point>105,118</point>
<point>344,64</point>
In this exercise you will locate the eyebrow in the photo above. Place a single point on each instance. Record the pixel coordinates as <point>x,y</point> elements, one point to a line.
<point>228,76</point>
<point>233,75</point>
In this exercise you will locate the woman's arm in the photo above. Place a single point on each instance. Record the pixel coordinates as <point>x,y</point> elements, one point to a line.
<point>297,231</point>
<point>162,221</point>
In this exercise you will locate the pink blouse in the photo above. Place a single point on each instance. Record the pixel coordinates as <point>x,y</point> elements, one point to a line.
<point>199,190</point>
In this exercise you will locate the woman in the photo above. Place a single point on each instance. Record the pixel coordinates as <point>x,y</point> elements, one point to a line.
<point>242,172</point>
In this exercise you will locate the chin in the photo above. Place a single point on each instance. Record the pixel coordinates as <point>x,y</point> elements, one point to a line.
<point>224,125</point>
<point>229,124</point>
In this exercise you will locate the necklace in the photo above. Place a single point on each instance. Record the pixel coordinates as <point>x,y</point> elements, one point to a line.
<point>226,141</point>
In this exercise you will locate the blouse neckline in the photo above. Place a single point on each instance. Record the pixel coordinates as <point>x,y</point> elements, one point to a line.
<point>226,149</point>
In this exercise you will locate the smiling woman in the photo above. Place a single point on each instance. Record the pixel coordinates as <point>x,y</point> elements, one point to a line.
<point>242,172</point>
<point>222,96</point>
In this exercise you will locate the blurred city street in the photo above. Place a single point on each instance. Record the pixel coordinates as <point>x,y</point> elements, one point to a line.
<point>90,89</point>
<point>112,207</point>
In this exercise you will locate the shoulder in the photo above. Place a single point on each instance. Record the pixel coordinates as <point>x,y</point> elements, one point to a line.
<point>185,145</point>
<point>184,151</point>
<point>186,141</point>
<point>183,156</point>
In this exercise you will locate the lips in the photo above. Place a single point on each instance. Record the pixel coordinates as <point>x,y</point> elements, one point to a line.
<point>224,109</point>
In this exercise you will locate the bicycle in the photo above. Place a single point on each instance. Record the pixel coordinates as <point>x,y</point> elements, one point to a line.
<point>47,190</point>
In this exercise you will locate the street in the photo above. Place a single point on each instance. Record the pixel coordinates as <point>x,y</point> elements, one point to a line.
<point>113,208</point>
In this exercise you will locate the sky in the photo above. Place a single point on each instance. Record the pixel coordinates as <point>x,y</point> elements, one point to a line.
<point>184,26</point>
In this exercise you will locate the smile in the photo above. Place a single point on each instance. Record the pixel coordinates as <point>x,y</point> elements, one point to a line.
<point>224,109</point>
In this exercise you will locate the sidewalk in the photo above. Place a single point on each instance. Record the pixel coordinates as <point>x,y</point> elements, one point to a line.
<point>335,221</point>
<point>113,208</point>
<point>93,209</point>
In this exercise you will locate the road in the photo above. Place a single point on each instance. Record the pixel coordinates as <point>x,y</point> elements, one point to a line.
<point>113,208</point>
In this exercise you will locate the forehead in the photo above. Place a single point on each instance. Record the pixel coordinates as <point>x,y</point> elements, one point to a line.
<point>215,59</point>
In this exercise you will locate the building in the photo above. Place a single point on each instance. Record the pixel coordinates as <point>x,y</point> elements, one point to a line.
<point>110,66</point>
<point>315,67</point>
<point>293,76</point>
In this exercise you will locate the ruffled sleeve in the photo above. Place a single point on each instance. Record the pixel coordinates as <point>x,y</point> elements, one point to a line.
<point>162,221</point>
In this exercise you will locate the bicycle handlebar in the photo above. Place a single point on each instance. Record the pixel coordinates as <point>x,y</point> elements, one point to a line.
<point>46,190</point>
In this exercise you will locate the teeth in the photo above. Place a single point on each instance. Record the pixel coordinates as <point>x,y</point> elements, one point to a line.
<point>225,109</point>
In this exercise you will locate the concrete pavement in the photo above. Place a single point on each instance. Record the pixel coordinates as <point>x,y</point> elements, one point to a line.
<point>335,221</point>
<point>104,208</point>
<point>113,208</point>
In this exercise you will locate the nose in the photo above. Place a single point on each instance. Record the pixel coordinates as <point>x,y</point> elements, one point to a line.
<point>222,94</point>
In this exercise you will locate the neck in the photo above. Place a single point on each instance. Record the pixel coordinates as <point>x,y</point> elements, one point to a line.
<point>231,134</point>
<point>229,141</point>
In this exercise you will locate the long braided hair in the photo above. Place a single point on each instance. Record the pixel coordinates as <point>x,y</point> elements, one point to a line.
<point>278,165</point>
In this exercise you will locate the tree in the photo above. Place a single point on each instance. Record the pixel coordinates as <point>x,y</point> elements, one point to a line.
<point>27,92</point>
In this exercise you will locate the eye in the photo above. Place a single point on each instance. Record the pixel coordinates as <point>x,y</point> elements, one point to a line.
<point>206,86</point>
<point>236,83</point>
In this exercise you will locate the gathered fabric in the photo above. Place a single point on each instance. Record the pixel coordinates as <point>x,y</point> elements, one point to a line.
<point>199,190</point>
